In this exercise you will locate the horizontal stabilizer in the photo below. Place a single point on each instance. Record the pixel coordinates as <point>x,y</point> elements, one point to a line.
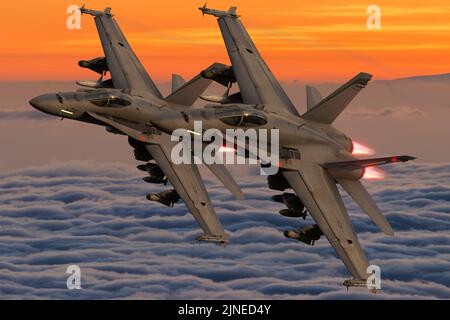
<point>358,164</point>
<point>177,82</point>
<point>189,92</point>
<point>360,195</point>
<point>313,97</point>
<point>331,107</point>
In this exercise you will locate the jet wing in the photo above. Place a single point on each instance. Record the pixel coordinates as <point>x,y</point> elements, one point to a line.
<point>125,68</point>
<point>318,192</point>
<point>256,82</point>
<point>185,178</point>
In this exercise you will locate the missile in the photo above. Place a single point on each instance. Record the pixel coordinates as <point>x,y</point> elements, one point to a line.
<point>142,167</point>
<point>291,234</point>
<point>306,234</point>
<point>294,234</point>
<point>156,175</point>
<point>95,84</point>
<point>278,182</point>
<point>278,198</point>
<point>220,239</point>
<point>96,13</point>
<point>356,283</point>
<point>98,65</point>
<point>218,13</point>
<point>223,74</point>
<point>141,154</point>
<point>295,209</point>
<point>167,197</point>
<point>152,168</point>
<point>154,180</point>
<point>290,213</point>
<point>215,99</point>
<point>224,99</point>
<point>89,84</point>
<point>153,197</point>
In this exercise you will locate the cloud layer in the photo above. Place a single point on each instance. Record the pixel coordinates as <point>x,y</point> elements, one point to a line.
<point>20,114</point>
<point>399,112</point>
<point>96,216</point>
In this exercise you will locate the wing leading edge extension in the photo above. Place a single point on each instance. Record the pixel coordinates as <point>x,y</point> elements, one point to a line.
<point>127,72</point>
<point>256,82</point>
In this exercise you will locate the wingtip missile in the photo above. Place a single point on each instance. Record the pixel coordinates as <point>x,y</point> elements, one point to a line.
<point>355,283</point>
<point>202,9</point>
<point>218,13</point>
<point>96,13</point>
<point>221,239</point>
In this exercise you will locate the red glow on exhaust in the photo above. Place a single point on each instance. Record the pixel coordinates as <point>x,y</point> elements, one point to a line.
<point>372,173</point>
<point>226,149</point>
<point>359,149</point>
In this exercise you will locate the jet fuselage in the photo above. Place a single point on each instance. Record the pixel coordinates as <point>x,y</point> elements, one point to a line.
<point>148,110</point>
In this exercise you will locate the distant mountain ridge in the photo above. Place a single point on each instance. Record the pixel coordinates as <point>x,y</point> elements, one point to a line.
<point>432,77</point>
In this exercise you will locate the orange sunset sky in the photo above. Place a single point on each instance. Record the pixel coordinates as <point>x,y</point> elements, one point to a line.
<point>301,40</point>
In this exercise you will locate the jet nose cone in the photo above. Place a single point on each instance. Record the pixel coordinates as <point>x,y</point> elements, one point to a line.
<point>35,102</point>
<point>46,103</point>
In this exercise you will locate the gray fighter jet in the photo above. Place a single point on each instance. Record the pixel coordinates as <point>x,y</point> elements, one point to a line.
<point>314,156</point>
<point>127,104</point>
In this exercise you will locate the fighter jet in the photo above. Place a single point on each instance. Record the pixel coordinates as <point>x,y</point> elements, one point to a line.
<point>315,157</point>
<point>127,104</point>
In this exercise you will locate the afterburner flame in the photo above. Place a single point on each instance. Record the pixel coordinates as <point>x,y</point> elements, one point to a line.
<point>359,149</point>
<point>372,173</point>
<point>226,149</point>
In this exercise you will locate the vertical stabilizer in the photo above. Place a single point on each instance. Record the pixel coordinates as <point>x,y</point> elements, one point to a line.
<point>313,97</point>
<point>177,82</point>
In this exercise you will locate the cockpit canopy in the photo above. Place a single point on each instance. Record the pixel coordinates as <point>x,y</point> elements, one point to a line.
<point>240,115</point>
<point>108,98</point>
